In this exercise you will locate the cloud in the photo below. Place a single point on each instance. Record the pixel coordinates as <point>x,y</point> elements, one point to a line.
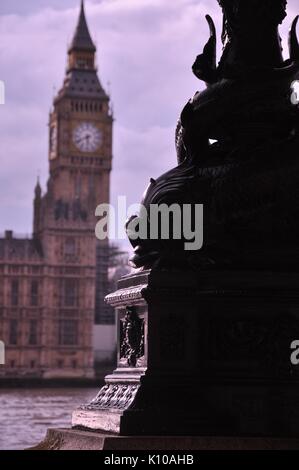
<point>144,51</point>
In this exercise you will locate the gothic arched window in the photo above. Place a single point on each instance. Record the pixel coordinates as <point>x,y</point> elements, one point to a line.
<point>70,247</point>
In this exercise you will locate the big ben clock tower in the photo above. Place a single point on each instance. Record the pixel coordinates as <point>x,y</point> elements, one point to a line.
<point>80,156</point>
<point>80,148</point>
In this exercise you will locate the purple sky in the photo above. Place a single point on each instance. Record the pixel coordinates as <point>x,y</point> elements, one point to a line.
<point>145,49</point>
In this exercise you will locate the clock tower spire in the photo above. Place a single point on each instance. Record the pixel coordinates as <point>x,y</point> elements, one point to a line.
<point>82,49</point>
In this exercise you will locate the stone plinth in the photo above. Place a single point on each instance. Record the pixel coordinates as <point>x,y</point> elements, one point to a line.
<point>201,353</point>
<point>66,439</point>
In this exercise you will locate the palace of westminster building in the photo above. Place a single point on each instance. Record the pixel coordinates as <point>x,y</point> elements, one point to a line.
<point>53,285</point>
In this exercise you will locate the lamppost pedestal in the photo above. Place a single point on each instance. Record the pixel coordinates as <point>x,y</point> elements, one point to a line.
<point>201,353</point>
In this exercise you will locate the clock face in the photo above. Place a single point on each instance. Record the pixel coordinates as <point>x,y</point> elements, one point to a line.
<point>53,141</point>
<point>87,137</point>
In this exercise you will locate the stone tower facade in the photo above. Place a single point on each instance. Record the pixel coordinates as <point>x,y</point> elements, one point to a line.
<point>63,247</point>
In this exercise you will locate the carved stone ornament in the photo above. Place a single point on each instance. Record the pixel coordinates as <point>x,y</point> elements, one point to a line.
<point>131,337</point>
<point>113,396</point>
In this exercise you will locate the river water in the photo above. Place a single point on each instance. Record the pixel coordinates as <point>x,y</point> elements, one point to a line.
<point>25,415</point>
